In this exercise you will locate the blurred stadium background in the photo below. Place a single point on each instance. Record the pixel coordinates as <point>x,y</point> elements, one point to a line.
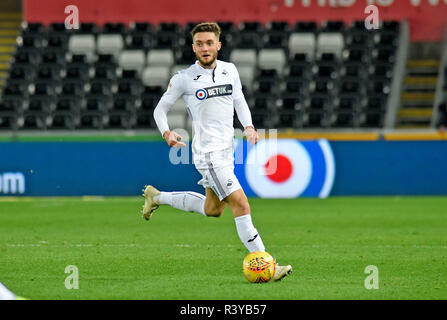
<point>310,69</point>
<point>302,67</point>
<point>363,111</point>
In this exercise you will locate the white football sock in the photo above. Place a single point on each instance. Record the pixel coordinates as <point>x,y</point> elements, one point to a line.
<point>185,200</point>
<point>248,233</point>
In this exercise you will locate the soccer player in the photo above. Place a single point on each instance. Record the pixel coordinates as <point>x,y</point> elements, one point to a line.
<point>211,90</point>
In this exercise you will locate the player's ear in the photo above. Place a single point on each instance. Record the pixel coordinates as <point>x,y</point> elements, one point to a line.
<point>219,45</point>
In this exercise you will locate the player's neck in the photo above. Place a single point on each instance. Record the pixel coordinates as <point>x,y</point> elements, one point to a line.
<point>211,66</point>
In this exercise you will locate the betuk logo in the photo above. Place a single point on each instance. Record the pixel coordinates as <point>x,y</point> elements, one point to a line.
<point>12,183</point>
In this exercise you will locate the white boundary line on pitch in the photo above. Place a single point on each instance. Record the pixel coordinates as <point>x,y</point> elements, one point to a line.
<point>185,245</point>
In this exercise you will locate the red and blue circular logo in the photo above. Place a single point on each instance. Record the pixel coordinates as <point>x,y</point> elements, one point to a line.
<point>201,94</point>
<point>286,168</point>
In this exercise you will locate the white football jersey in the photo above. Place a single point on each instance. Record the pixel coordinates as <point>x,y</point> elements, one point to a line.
<point>208,96</point>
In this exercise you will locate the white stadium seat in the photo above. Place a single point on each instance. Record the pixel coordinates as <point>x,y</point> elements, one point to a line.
<point>243,57</point>
<point>110,44</point>
<point>247,75</point>
<point>331,42</point>
<point>302,43</point>
<point>160,57</point>
<point>83,44</point>
<point>272,59</point>
<point>132,60</point>
<point>156,76</point>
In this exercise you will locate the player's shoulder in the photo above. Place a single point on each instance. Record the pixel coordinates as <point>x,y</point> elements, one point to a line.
<point>226,64</point>
<point>185,72</point>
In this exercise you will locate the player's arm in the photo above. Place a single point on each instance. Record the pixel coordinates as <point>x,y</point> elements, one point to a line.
<point>174,91</point>
<point>244,116</point>
<point>243,111</point>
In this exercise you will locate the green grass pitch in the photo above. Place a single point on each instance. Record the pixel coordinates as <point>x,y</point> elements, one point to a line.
<point>181,255</point>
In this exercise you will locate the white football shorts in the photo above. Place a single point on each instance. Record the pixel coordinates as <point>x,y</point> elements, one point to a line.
<point>217,170</point>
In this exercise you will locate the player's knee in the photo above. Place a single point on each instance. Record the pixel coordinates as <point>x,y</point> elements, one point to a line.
<point>243,207</point>
<point>215,212</point>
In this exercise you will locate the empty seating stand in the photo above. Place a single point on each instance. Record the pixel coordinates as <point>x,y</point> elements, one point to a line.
<point>111,76</point>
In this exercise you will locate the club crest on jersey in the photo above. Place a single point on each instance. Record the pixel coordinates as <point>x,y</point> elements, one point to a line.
<point>216,91</point>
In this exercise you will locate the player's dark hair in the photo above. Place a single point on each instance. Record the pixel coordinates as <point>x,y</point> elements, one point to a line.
<point>206,27</point>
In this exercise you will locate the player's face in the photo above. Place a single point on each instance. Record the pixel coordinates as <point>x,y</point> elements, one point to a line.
<point>206,45</point>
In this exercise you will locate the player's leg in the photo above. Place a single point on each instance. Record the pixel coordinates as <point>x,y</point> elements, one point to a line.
<point>249,235</point>
<point>238,203</point>
<point>213,206</point>
<point>184,200</point>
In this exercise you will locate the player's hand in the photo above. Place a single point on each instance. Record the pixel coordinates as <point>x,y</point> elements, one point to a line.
<point>252,135</point>
<point>173,139</point>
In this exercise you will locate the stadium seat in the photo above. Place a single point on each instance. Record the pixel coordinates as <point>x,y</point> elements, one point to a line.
<point>355,55</point>
<point>302,43</point>
<point>345,119</point>
<point>109,44</point>
<point>277,26</point>
<point>391,26</point>
<point>113,28</point>
<point>305,27</point>
<point>125,103</point>
<point>132,60</point>
<point>248,40</point>
<point>92,120</point>
<point>32,28</point>
<point>383,55</point>
<point>138,42</point>
<point>333,26</point>
<point>12,105</point>
<point>244,57</point>
<point>330,43</point>
<point>275,40</point>
<point>272,59</point>
<point>298,69</point>
<point>144,120</point>
<point>160,57</point>
<point>83,44</point>
<point>87,28</point>
<point>35,41</point>
<point>156,76</point>
<point>357,40</point>
<point>68,104</point>
<point>119,120</point>
<point>8,121</point>
<point>353,70</point>
<point>290,119</point>
<point>141,28</point>
<point>63,121</point>
<point>247,74</point>
<point>34,120</point>
<point>185,56</point>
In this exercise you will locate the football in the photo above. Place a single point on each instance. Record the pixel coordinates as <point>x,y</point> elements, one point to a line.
<point>258,267</point>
